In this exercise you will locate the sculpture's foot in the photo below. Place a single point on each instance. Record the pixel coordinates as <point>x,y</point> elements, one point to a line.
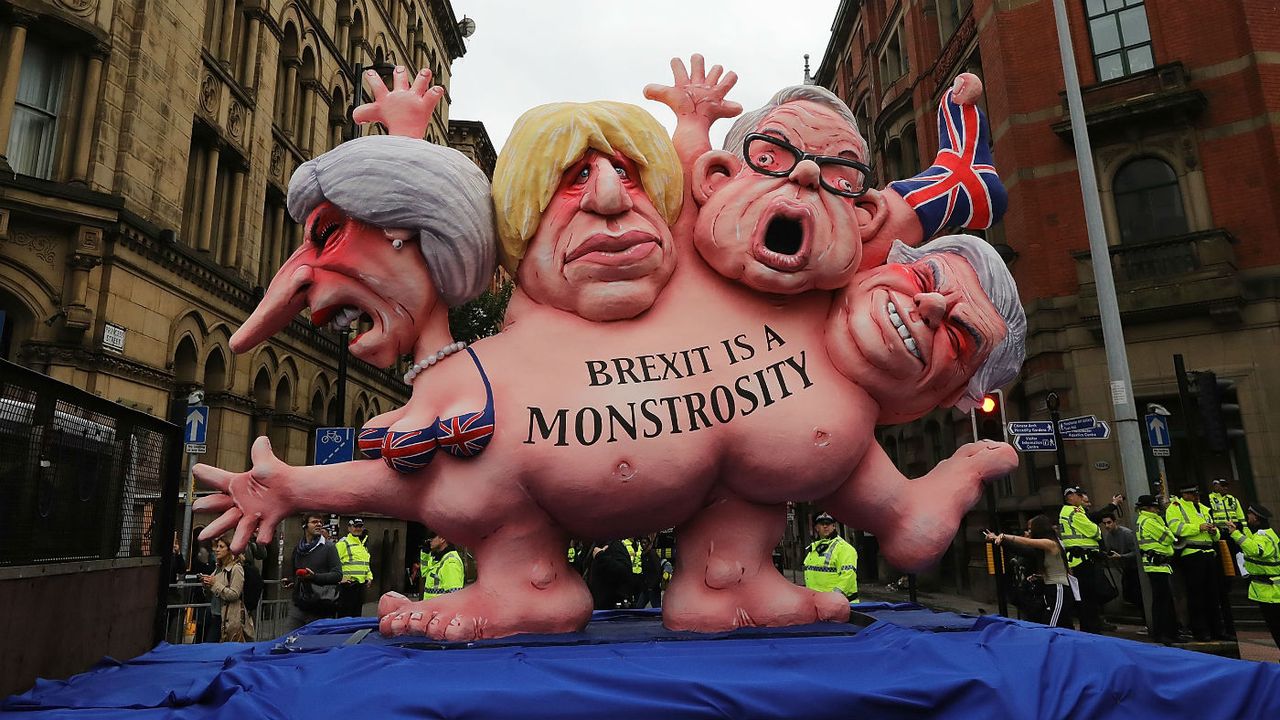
<point>477,612</point>
<point>731,598</point>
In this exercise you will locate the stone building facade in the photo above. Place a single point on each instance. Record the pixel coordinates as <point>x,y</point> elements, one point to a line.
<point>147,148</point>
<point>1182,113</point>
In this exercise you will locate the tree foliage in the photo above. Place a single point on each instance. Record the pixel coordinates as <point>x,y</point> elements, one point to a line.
<point>481,317</point>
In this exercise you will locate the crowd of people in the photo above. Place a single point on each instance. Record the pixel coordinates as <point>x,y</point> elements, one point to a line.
<point>1059,571</point>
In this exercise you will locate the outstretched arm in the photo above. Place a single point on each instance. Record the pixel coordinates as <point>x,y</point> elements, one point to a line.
<point>257,500</point>
<point>915,520</point>
<point>698,100</point>
<point>405,109</point>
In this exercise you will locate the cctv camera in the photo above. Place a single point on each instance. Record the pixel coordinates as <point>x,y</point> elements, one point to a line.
<point>1157,409</point>
<point>195,397</point>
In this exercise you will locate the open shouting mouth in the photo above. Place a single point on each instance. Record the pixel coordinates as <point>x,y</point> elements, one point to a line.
<point>783,238</point>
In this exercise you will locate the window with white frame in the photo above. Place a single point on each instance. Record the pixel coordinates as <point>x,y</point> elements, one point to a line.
<point>893,57</point>
<point>1120,37</point>
<point>33,134</point>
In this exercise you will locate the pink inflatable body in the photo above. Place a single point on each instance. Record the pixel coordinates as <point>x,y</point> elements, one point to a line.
<point>687,346</point>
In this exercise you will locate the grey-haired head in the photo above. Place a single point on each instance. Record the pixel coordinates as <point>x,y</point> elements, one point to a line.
<point>748,121</point>
<point>397,182</point>
<point>1005,360</point>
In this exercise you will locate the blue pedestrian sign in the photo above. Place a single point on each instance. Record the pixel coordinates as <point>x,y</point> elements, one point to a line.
<point>197,423</point>
<point>1031,427</point>
<point>335,445</point>
<point>1157,431</point>
<point>1034,443</point>
<point>1100,431</point>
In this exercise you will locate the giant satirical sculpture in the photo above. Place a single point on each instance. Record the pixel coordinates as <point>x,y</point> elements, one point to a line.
<point>696,338</point>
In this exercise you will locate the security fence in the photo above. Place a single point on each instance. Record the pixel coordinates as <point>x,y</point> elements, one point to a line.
<point>81,478</point>
<point>188,620</point>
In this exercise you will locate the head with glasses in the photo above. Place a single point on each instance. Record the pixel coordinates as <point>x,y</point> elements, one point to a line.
<point>784,207</point>
<point>937,326</point>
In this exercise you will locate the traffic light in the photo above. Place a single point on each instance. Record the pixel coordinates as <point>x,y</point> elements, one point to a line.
<point>1219,411</point>
<point>988,417</point>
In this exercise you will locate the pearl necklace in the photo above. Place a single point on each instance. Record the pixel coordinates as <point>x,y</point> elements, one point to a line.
<point>432,359</point>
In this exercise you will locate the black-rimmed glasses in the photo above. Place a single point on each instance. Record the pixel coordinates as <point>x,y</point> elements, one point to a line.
<point>770,155</point>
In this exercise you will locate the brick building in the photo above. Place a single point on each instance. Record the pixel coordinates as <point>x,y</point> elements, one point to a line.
<point>146,151</point>
<point>1182,112</point>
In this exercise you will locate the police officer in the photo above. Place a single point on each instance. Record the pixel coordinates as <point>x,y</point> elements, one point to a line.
<point>1082,538</point>
<point>1155,546</point>
<point>442,570</point>
<point>1224,508</point>
<point>832,563</point>
<point>356,572</point>
<point>1191,523</point>
<point>1261,548</point>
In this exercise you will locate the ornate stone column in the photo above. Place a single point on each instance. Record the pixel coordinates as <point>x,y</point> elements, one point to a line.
<point>17,44</point>
<point>280,241</point>
<point>210,198</point>
<point>344,34</point>
<point>309,96</point>
<point>228,32</point>
<point>88,113</point>
<point>87,256</point>
<point>290,93</point>
<point>231,255</point>
<point>247,63</point>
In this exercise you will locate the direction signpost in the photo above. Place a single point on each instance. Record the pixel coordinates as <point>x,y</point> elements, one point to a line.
<point>1159,439</point>
<point>1099,431</point>
<point>195,428</point>
<point>1034,443</point>
<point>1039,435</point>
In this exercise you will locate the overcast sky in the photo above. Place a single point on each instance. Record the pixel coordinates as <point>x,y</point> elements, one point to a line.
<point>525,54</point>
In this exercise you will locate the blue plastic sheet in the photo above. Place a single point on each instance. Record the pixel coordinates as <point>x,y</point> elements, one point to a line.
<point>987,667</point>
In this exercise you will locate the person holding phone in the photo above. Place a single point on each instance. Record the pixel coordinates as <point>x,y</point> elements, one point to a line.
<point>315,574</point>
<point>1051,580</point>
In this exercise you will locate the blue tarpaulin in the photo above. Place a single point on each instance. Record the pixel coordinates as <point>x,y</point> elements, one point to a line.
<point>909,662</point>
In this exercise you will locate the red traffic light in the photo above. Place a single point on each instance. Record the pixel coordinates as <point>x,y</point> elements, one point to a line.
<point>989,404</point>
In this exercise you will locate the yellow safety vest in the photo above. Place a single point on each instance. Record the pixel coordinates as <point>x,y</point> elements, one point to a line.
<point>1184,519</point>
<point>637,559</point>
<point>441,576</point>
<point>1224,507</point>
<point>1262,562</point>
<point>1080,535</point>
<point>1155,542</point>
<point>355,559</point>
<point>832,564</point>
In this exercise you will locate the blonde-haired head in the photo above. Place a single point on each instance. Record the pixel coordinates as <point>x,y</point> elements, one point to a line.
<point>549,138</point>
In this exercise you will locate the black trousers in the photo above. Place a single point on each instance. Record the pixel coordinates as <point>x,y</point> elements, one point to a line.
<point>1271,614</point>
<point>351,599</point>
<point>1056,611</point>
<point>1202,594</point>
<point>1087,610</point>
<point>1164,620</point>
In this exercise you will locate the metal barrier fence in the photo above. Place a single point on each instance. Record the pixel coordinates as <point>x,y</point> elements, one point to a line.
<point>187,618</point>
<point>81,478</point>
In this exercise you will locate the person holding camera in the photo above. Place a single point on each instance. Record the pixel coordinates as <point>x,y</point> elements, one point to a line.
<point>315,573</point>
<point>1051,581</point>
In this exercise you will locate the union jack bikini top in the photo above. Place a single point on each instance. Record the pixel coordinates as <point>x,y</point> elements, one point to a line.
<point>462,436</point>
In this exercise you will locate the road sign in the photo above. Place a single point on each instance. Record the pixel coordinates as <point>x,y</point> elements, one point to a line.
<point>1031,427</point>
<point>196,424</point>
<point>196,448</point>
<point>1077,423</point>
<point>335,445</point>
<point>1157,431</point>
<point>1160,452</point>
<point>1101,431</point>
<point>1034,443</point>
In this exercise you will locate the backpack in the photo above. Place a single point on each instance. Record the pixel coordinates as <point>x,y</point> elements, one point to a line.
<point>252,586</point>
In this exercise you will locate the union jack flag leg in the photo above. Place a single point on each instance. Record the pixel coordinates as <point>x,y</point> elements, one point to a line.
<point>962,187</point>
<point>466,435</point>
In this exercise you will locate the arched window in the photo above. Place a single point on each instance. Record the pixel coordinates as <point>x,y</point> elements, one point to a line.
<point>1148,201</point>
